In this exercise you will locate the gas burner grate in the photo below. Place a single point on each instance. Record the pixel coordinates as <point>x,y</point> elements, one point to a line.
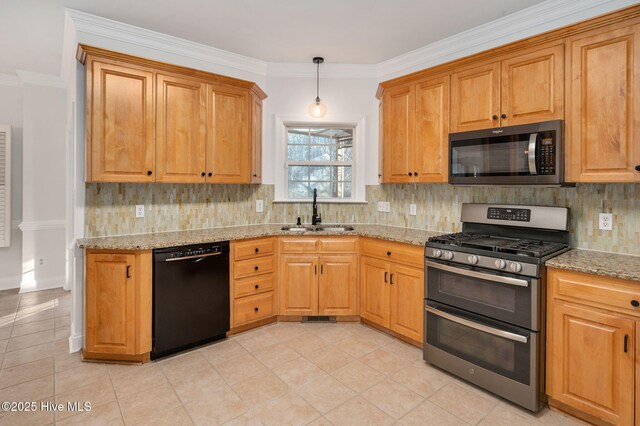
<point>531,248</point>
<point>457,238</point>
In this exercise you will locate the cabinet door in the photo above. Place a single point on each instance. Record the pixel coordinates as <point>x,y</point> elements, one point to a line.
<point>298,285</point>
<point>398,115</point>
<point>475,98</point>
<point>228,142</point>
<point>120,106</point>
<point>603,128</point>
<point>338,285</point>
<point>374,290</point>
<point>256,139</point>
<point>180,130</point>
<point>533,87</point>
<point>110,304</point>
<point>431,143</point>
<point>589,368</point>
<point>407,301</point>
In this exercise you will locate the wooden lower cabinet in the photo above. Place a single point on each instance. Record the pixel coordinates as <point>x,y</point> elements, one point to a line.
<point>118,305</point>
<point>338,285</point>
<point>299,284</point>
<point>592,350</point>
<point>391,292</point>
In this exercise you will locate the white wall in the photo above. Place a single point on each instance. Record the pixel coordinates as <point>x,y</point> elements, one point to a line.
<point>11,257</point>
<point>291,96</point>
<point>44,171</point>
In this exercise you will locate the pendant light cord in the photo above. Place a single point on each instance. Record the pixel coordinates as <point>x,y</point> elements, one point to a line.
<point>317,81</point>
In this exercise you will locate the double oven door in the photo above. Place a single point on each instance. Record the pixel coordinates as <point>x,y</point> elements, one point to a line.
<point>484,326</point>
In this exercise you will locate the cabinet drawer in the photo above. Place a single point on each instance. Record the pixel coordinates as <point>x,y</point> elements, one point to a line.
<point>253,248</point>
<point>250,267</point>
<point>397,252</point>
<point>298,245</point>
<point>338,245</point>
<point>607,293</point>
<point>253,308</point>
<point>253,285</point>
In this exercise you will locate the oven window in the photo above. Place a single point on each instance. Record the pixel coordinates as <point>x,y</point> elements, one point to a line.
<point>500,355</point>
<point>508,303</point>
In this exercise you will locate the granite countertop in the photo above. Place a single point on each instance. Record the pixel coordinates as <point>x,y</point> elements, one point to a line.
<point>180,238</point>
<point>623,266</point>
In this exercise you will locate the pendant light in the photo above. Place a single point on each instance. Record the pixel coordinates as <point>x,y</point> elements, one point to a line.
<point>317,109</point>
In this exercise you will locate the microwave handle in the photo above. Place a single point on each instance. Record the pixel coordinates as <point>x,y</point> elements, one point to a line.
<point>533,149</point>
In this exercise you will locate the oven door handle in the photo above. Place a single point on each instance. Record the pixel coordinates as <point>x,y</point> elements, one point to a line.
<point>483,276</point>
<point>496,332</point>
<point>531,153</point>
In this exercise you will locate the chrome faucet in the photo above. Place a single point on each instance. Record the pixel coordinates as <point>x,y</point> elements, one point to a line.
<point>315,217</point>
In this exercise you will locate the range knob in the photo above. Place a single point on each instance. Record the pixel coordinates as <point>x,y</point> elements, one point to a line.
<point>500,264</point>
<point>448,255</point>
<point>515,266</point>
<point>437,253</point>
<point>472,259</point>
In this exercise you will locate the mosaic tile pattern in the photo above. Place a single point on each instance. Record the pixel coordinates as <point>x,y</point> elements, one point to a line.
<point>110,208</point>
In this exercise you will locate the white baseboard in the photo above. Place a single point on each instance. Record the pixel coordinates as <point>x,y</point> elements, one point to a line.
<point>75,342</point>
<point>10,282</point>
<point>43,284</point>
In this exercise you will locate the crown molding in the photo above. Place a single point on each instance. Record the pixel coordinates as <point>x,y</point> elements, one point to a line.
<point>308,70</point>
<point>91,25</point>
<point>38,79</point>
<point>9,80</point>
<point>537,19</point>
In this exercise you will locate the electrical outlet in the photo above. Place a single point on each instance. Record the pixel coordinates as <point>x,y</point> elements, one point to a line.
<point>139,210</point>
<point>384,206</point>
<point>412,209</point>
<point>259,206</point>
<point>41,262</point>
<point>605,221</point>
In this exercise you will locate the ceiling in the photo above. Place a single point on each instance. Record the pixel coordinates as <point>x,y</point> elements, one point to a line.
<point>343,31</point>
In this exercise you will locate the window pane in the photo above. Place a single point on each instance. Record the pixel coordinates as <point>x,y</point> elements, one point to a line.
<point>298,136</point>
<point>298,173</point>
<point>298,152</point>
<point>300,190</point>
<point>324,189</point>
<point>345,154</point>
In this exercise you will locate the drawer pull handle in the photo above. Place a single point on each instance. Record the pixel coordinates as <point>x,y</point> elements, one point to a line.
<point>388,253</point>
<point>321,268</point>
<point>626,342</point>
<point>256,309</point>
<point>635,303</point>
<point>385,276</point>
<point>257,250</point>
<point>128,271</point>
<point>256,268</point>
<point>257,286</point>
<point>391,279</point>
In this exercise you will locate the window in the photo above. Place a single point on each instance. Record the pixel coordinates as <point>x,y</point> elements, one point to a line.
<point>5,185</point>
<point>320,158</point>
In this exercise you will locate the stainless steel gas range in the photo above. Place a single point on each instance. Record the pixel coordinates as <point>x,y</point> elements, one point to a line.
<point>485,297</point>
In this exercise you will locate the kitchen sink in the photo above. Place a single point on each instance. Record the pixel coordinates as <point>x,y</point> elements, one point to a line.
<point>330,228</point>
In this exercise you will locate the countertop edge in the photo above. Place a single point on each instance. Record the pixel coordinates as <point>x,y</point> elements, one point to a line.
<point>612,265</point>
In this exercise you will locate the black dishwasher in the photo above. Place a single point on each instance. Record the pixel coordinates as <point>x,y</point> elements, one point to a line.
<point>190,296</point>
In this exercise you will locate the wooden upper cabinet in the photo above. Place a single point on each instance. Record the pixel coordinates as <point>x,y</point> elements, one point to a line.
<point>431,147</point>
<point>475,98</point>
<point>398,116</point>
<point>228,144</point>
<point>180,130</point>
<point>120,122</point>
<point>532,87</point>
<point>589,368</point>
<point>603,131</point>
<point>256,139</point>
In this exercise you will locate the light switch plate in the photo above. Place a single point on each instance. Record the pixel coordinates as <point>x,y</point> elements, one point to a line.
<point>259,206</point>
<point>605,221</point>
<point>412,209</point>
<point>139,210</point>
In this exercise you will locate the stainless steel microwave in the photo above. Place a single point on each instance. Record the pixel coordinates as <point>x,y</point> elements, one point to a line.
<point>528,154</point>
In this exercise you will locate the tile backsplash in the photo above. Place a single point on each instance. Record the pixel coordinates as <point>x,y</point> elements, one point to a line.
<point>110,208</point>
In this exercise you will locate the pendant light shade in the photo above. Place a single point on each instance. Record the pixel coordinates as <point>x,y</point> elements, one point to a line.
<point>317,108</point>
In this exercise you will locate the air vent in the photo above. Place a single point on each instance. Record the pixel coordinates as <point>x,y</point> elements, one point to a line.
<point>319,319</point>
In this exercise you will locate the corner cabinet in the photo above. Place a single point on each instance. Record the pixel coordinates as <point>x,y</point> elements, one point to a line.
<point>118,305</point>
<point>592,346</point>
<point>603,88</point>
<point>153,122</point>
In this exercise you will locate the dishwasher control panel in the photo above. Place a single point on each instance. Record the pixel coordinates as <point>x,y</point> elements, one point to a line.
<point>195,251</point>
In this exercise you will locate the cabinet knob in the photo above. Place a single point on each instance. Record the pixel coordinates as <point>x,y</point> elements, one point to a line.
<point>257,286</point>
<point>415,173</point>
<point>388,253</point>
<point>203,174</point>
<point>410,174</point>
<point>256,309</point>
<point>255,175</point>
<point>635,303</point>
<point>149,172</point>
<point>255,268</point>
<point>257,250</point>
<point>503,116</point>
<point>209,174</point>
<point>495,117</point>
<point>638,168</point>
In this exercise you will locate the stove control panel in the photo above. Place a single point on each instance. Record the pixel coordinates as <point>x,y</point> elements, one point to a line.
<point>503,213</point>
<point>453,258</point>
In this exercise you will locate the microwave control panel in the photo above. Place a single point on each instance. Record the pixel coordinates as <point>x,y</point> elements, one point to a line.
<point>501,213</point>
<point>547,156</point>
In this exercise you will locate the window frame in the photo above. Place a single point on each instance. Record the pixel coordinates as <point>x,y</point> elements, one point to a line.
<point>357,123</point>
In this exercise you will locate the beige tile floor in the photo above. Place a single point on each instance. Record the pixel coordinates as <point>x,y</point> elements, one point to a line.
<point>286,373</point>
